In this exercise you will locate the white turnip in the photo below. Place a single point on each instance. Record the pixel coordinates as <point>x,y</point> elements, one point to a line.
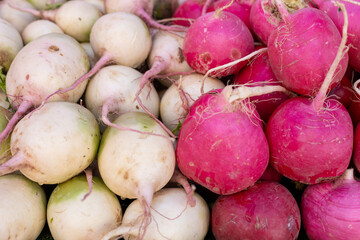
<point>17,18</point>
<point>38,28</point>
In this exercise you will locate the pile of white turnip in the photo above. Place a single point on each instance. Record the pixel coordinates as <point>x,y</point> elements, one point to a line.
<point>232,119</point>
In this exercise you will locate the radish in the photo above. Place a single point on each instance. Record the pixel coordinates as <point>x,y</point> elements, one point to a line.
<point>141,8</point>
<point>22,207</point>
<point>311,140</point>
<point>166,57</point>
<point>138,160</point>
<point>90,52</point>
<point>343,92</point>
<point>171,218</point>
<point>17,18</point>
<point>69,217</point>
<point>291,49</point>
<point>97,3</point>
<point>266,210</point>
<point>353,9</point>
<point>215,39</point>
<point>271,174</point>
<point>114,88</point>
<point>356,152</point>
<point>258,72</point>
<point>223,125</point>
<point>38,28</point>
<point>44,65</point>
<point>75,18</point>
<point>10,44</point>
<point>54,143</point>
<point>178,98</point>
<point>265,17</point>
<point>46,4</point>
<point>238,8</point>
<point>331,210</point>
<point>188,11</point>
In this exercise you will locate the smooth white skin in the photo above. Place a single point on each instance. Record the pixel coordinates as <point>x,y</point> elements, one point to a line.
<point>17,18</point>
<point>45,65</point>
<point>124,36</point>
<point>136,164</point>
<point>69,217</point>
<point>119,83</point>
<point>129,6</point>
<point>90,52</point>
<point>10,43</point>
<point>172,111</point>
<point>76,18</point>
<point>97,3</point>
<point>39,28</point>
<point>174,223</point>
<point>57,142</point>
<point>22,207</point>
<point>46,4</point>
<point>168,46</point>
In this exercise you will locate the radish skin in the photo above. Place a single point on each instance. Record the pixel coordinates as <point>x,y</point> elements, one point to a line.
<point>69,217</point>
<point>17,18</point>
<point>22,207</point>
<point>39,28</point>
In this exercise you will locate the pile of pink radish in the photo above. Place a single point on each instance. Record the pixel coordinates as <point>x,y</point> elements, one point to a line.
<point>179,119</point>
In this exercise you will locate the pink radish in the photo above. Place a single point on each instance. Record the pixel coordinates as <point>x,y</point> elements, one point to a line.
<point>353,9</point>
<point>44,65</point>
<point>311,140</point>
<point>138,160</point>
<point>22,207</point>
<point>69,217</point>
<point>291,50</point>
<point>331,210</point>
<point>188,11</point>
<point>75,18</point>
<point>271,174</point>
<point>266,211</point>
<point>215,39</point>
<point>141,8</point>
<point>222,125</point>
<point>238,8</point>
<point>171,219</point>
<point>54,143</point>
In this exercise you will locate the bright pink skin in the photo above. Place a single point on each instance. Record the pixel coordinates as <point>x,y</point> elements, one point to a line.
<point>356,152</point>
<point>215,39</point>
<point>353,12</point>
<point>220,146</point>
<point>293,51</point>
<point>331,210</point>
<point>271,174</point>
<point>307,145</point>
<point>189,9</point>
<point>259,73</point>
<point>265,211</point>
<point>261,22</point>
<point>242,10</point>
<point>342,92</point>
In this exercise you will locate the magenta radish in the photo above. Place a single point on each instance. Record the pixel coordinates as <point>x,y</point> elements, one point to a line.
<point>188,11</point>
<point>258,72</point>
<point>75,18</point>
<point>311,140</point>
<point>141,8</point>
<point>22,207</point>
<point>166,57</point>
<point>17,18</point>
<point>224,125</point>
<point>271,174</point>
<point>291,50</point>
<point>172,218</point>
<point>114,88</point>
<point>343,92</point>
<point>53,143</point>
<point>356,152</point>
<point>331,210</point>
<point>353,9</point>
<point>266,210</point>
<point>71,217</point>
<point>238,8</point>
<point>177,99</point>
<point>138,160</point>
<point>39,28</point>
<point>215,39</point>
<point>10,44</point>
<point>43,66</point>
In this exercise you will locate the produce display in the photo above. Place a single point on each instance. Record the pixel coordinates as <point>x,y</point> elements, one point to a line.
<point>179,119</point>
